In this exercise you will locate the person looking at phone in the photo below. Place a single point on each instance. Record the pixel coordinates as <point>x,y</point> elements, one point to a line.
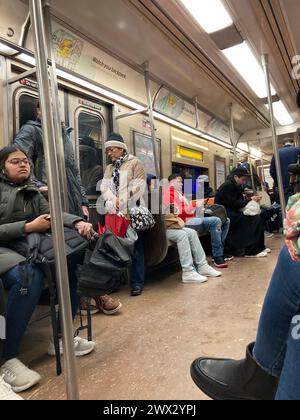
<point>24,210</point>
<point>190,213</point>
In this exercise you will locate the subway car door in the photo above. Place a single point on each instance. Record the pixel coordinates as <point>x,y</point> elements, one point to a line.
<point>90,121</point>
<point>24,98</point>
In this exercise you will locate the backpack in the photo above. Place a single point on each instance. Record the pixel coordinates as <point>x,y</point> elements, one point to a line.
<point>38,247</point>
<point>104,266</point>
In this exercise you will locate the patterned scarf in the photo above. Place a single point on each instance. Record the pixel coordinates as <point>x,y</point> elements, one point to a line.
<point>116,172</point>
<point>292,227</point>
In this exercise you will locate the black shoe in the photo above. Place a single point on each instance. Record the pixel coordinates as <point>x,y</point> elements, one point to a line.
<point>225,379</point>
<point>136,291</point>
<point>219,262</point>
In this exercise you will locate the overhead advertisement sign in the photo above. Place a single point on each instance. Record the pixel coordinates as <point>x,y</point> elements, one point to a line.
<point>77,55</point>
<point>171,105</point>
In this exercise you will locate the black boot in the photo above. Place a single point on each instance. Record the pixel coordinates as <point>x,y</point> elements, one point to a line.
<point>225,379</point>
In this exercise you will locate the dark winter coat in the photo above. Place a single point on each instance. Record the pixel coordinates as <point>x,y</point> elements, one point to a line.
<point>20,204</point>
<point>241,235</point>
<point>30,140</point>
<point>287,155</point>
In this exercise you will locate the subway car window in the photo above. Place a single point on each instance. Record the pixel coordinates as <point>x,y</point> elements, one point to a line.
<point>90,151</point>
<point>27,106</point>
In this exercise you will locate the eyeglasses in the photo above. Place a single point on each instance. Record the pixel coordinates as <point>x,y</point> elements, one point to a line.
<point>19,162</point>
<point>110,150</point>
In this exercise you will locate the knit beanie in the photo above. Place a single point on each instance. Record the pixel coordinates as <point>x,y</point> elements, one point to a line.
<point>115,140</point>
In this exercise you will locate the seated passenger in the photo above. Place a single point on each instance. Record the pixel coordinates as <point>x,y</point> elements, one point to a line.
<point>187,212</point>
<point>246,233</point>
<point>24,210</point>
<point>191,254</point>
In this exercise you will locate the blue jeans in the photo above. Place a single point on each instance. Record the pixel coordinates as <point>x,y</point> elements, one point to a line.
<point>213,225</point>
<point>277,348</point>
<point>19,307</point>
<point>138,263</point>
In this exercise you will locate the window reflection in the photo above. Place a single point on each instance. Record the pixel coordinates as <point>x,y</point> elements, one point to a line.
<point>27,108</point>
<point>90,151</point>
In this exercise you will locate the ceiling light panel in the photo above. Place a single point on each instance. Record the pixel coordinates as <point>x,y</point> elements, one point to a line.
<point>246,64</point>
<point>210,14</point>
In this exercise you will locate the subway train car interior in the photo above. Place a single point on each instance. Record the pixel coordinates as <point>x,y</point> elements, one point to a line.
<point>149,213</point>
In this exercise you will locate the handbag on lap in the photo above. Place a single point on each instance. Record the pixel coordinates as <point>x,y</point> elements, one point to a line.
<point>216,210</point>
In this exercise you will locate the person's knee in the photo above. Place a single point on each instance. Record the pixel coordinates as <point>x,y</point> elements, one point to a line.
<point>191,234</point>
<point>216,223</point>
<point>183,235</point>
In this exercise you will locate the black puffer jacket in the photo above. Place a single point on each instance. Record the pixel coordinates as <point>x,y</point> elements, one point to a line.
<point>30,140</point>
<point>20,204</point>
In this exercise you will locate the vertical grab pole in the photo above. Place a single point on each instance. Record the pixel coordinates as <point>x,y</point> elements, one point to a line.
<point>232,135</point>
<point>265,62</point>
<point>251,168</point>
<point>263,175</point>
<point>46,95</point>
<point>196,111</point>
<point>151,117</point>
<point>57,119</point>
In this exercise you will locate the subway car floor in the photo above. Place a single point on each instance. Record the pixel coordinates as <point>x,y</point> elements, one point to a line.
<point>145,351</point>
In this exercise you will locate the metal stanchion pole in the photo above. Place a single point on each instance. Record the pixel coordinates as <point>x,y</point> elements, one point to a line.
<point>265,62</point>
<point>57,119</point>
<point>232,136</point>
<point>251,168</point>
<point>151,118</point>
<point>47,103</point>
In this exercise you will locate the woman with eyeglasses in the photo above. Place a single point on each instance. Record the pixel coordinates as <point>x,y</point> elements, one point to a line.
<point>123,186</point>
<point>24,210</point>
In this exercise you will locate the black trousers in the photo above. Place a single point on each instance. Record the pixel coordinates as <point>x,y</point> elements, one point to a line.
<point>257,228</point>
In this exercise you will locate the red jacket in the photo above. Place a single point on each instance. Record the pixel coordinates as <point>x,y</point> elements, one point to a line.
<point>182,207</point>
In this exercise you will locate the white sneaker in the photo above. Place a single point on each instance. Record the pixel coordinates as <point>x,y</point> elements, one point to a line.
<point>6,393</point>
<point>193,277</point>
<point>19,376</point>
<point>267,250</point>
<point>208,271</point>
<point>263,254</point>
<point>269,235</point>
<point>82,347</point>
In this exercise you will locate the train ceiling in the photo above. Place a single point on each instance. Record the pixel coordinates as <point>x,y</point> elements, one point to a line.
<point>182,55</point>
